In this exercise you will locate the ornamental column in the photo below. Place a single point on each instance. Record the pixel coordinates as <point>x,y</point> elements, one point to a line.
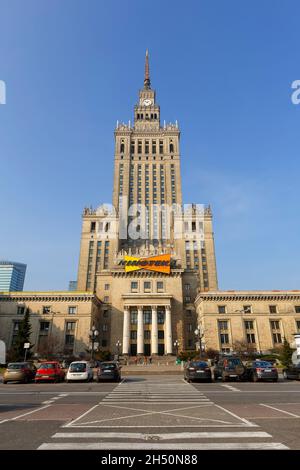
<point>154,331</point>
<point>126,330</point>
<point>168,331</point>
<point>140,331</point>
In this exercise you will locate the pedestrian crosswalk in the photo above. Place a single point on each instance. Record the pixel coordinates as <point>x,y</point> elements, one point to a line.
<point>156,392</point>
<point>153,414</point>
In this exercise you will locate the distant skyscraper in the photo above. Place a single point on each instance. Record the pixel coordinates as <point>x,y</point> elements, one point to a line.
<point>72,285</point>
<point>12,276</point>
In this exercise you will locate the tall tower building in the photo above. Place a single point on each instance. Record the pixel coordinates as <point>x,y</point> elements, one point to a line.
<point>144,308</point>
<point>12,276</point>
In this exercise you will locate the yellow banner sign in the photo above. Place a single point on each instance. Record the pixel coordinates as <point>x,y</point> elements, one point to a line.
<point>160,264</point>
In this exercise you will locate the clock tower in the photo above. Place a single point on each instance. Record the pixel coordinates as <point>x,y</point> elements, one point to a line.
<point>147,112</point>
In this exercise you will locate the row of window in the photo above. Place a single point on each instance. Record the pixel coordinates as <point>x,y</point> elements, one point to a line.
<point>277,336</point>
<point>147,286</point>
<point>147,334</point>
<point>144,146</point>
<point>147,317</point>
<point>248,309</point>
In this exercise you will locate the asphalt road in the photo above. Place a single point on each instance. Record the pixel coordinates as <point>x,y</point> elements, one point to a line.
<point>150,412</point>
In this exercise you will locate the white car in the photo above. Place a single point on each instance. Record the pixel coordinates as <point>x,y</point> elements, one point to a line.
<point>80,370</point>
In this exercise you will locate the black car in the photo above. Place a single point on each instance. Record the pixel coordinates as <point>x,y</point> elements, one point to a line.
<point>292,372</point>
<point>230,368</point>
<point>109,371</point>
<point>197,370</point>
<point>262,370</point>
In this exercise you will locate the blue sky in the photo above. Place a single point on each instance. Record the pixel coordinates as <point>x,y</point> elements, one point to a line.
<point>222,68</point>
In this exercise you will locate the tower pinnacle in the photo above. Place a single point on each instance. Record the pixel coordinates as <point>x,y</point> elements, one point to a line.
<point>147,73</point>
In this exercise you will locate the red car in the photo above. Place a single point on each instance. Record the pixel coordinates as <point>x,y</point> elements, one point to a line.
<point>49,371</point>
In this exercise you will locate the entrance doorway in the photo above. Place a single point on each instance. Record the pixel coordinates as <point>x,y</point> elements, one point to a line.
<point>161,349</point>
<point>133,349</point>
<point>147,349</point>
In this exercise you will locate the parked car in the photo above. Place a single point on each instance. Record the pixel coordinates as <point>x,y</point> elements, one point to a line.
<point>49,371</point>
<point>197,370</point>
<point>80,370</point>
<point>19,372</point>
<point>292,372</point>
<point>109,371</point>
<point>262,370</point>
<point>229,368</point>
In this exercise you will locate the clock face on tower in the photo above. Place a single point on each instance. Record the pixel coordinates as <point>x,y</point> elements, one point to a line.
<point>147,102</point>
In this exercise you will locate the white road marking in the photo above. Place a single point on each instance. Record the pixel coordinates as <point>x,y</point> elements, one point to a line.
<point>81,416</point>
<point>248,423</point>
<point>24,414</point>
<point>167,446</point>
<point>281,411</point>
<point>164,437</point>
<point>230,387</point>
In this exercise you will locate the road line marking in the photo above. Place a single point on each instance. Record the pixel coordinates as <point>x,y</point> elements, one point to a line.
<point>248,423</point>
<point>230,387</point>
<point>81,416</point>
<point>164,437</point>
<point>25,414</point>
<point>281,411</point>
<point>169,446</point>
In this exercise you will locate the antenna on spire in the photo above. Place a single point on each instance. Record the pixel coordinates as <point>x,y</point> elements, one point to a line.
<point>147,72</point>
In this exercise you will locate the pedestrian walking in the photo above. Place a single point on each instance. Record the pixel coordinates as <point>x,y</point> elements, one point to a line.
<point>145,360</point>
<point>150,360</point>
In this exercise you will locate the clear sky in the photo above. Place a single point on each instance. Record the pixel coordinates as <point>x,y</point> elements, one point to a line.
<point>222,68</point>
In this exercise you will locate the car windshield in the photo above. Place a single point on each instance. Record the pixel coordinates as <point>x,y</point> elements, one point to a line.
<point>78,367</point>
<point>47,366</point>
<point>233,362</point>
<point>16,365</point>
<point>262,364</point>
<point>198,364</point>
<point>106,365</point>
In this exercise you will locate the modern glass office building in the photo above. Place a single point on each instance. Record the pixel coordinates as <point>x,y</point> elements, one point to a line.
<point>12,276</point>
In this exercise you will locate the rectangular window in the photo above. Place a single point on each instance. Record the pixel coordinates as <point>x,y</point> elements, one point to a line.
<point>106,298</point>
<point>188,313</point>
<point>70,326</point>
<point>133,318</point>
<point>72,310</point>
<point>275,325</point>
<point>147,286</point>
<point>297,309</point>
<point>273,308</point>
<point>104,327</point>
<point>20,310</point>
<point>187,287</point>
<point>106,286</point>
<point>69,340</point>
<point>105,313</point>
<point>44,326</point>
<point>221,308</point>
<point>104,343</point>
<point>161,334</point>
<point>161,146</point>
<point>277,338</point>
<point>223,325</point>
<point>46,310</point>
<point>134,286</point>
<point>160,317</point>
<point>160,286</point>
<point>250,338</point>
<point>147,334</point>
<point>247,309</point>
<point>249,324</point>
<point>224,338</point>
<point>190,327</point>
<point>139,146</point>
<point>147,317</point>
<point>133,334</point>
<point>298,325</point>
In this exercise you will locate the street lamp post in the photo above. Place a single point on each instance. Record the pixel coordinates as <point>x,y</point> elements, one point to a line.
<point>199,335</point>
<point>118,344</point>
<point>93,337</point>
<point>176,346</point>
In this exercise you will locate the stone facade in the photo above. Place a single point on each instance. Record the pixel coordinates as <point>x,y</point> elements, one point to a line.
<point>259,320</point>
<point>60,321</point>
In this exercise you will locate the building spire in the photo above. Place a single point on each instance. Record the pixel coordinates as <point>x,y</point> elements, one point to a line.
<point>147,72</point>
